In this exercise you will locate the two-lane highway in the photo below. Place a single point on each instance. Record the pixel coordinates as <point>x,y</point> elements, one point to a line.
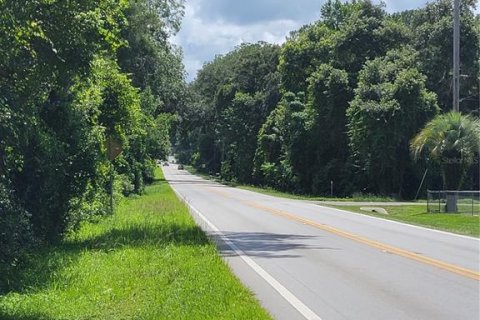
<point>305,261</point>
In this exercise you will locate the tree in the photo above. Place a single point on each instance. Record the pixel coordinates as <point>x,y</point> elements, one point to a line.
<point>243,120</point>
<point>365,35</point>
<point>62,93</point>
<point>335,13</point>
<point>153,62</point>
<point>452,140</point>
<point>304,50</point>
<point>328,97</point>
<point>46,48</point>
<point>278,140</point>
<point>432,30</point>
<point>234,95</point>
<point>391,103</point>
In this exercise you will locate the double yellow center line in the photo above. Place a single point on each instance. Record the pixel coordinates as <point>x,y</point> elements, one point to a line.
<point>467,273</point>
<point>375,244</point>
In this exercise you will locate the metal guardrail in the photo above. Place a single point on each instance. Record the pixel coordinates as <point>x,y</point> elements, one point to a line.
<point>448,201</point>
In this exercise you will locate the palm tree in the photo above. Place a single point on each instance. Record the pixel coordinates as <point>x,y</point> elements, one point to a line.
<point>452,140</point>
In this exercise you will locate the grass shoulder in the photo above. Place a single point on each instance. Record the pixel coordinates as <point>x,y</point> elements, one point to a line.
<point>289,195</point>
<point>147,261</point>
<point>417,215</point>
<point>413,214</point>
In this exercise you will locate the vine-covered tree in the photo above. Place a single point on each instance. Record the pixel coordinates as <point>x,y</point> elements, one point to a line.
<point>355,86</point>
<point>391,103</point>
<point>62,93</point>
<point>432,30</point>
<point>237,92</point>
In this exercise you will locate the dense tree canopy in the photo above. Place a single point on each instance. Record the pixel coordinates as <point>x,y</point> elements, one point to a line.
<point>233,96</point>
<point>338,103</point>
<point>390,105</point>
<point>66,86</point>
<point>433,39</point>
<point>348,93</point>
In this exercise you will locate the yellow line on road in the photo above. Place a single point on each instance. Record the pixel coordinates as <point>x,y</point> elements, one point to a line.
<point>375,244</point>
<point>218,191</point>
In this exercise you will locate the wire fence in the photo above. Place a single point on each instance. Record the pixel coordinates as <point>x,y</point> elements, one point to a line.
<point>463,202</point>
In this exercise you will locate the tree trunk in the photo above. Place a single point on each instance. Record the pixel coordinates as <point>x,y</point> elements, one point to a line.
<point>453,174</point>
<point>451,205</point>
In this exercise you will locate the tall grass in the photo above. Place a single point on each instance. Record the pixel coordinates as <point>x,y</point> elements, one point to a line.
<point>147,261</point>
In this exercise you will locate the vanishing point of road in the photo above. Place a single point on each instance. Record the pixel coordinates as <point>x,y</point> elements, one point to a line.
<point>305,261</point>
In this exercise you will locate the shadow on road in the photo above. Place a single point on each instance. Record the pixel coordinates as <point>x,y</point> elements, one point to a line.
<point>268,245</point>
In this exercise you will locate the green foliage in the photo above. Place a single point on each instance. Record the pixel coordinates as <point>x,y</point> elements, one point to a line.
<point>327,143</point>
<point>310,137</point>
<point>243,119</point>
<point>360,38</point>
<point>45,48</point>
<point>275,143</point>
<point>147,261</point>
<point>433,38</point>
<point>15,232</point>
<point>62,94</point>
<point>453,141</point>
<point>234,94</point>
<point>119,109</point>
<point>156,69</point>
<point>304,49</point>
<point>158,139</point>
<point>335,13</point>
<point>391,103</point>
<point>113,109</point>
<point>355,87</point>
<point>154,64</point>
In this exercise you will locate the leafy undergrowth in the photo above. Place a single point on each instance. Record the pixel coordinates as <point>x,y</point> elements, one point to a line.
<point>288,195</point>
<point>147,261</point>
<point>458,223</point>
<point>355,197</point>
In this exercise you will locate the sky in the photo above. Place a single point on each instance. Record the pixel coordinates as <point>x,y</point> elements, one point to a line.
<point>212,27</point>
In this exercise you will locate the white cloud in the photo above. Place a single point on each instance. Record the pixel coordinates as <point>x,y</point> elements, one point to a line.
<point>212,27</point>
<point>202,39</point>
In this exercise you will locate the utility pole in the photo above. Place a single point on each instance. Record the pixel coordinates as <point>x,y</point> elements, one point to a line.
<point>456,56</point>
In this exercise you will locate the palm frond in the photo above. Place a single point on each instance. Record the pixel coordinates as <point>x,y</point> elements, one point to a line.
<point>448,133</point>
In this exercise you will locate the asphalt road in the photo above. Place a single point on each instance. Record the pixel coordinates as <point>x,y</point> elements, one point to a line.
<point>304,261</point>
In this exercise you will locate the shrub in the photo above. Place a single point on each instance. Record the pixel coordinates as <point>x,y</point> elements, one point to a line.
<point>15,230</point>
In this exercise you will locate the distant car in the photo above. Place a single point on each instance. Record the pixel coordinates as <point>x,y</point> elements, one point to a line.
<point>180,167</point>
<point>165,164</point>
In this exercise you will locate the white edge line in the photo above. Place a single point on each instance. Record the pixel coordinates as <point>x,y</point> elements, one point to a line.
<point>356,213</point>
<point>398,222</point>
<point>316,205</point>
<point>284,292</point>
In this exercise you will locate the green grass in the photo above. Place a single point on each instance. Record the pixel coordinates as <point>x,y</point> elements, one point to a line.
<point>413,214</point>
<point>276,193</point>
<point>147,261</point>
<point>417,215</point>
<point>288,195</point>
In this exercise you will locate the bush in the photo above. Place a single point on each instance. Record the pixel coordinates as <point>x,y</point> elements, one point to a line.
<point>279,176</point>
<point>149,171</point>
<point>15,229</point>
<point>88,207</point>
